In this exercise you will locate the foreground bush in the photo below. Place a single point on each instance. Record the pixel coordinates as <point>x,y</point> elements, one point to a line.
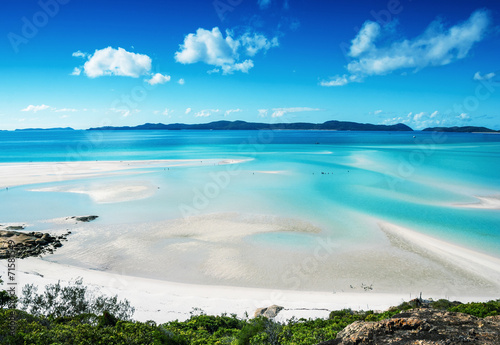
<point>89,319</point>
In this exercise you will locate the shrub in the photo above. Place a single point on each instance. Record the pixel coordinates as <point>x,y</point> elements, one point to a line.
<point>68,301</point>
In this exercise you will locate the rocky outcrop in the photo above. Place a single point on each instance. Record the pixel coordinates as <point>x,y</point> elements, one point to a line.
<point>269,312</point>
<point>85,219</point>
<point>423,326</point>
<point>17,244</point>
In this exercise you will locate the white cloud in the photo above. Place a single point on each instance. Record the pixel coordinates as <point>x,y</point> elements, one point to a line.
<point>478,76</point>
<point>211,48</point>
<point>80,54</point>
<point>116,62</point>
<point>206,112</point>
<point>181,81</point>
<point>279,112</point>
<point>341,80</point>
<point>188,110</point>
<point>464,116</point>
<point>376,112</point>
<point>36,108</point>
<point>436,46</point>
<point>257,42</point>
<point>244,67</point>
<point>66,110</point>
<point>158,78</point>
<point>230,111</point>
<point>423,119</point>
<point>167,112</point>
<point>76,71</point>
<point>418,117</point>
<point>365,39</point>
<point>263,4</point>
<point>262,112</point>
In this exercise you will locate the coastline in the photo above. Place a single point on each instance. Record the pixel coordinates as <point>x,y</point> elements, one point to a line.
<point>217,262</point>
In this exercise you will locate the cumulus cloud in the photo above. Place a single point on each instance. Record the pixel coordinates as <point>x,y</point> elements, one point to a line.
<point>365,39</point>
<point>116,62</point>
<point>242,66</point>
<point>206,112</point>
<point>224,53</point>
<point>188,110</point>
<point>230,111</point>
<point>158,78</point>
<point>36,108</point>
<point>253,43</point>
<point>76,71</point>
<point>478,76</point>
<point>181,81</point>
<point>436,46</point>
<point>279,112</point>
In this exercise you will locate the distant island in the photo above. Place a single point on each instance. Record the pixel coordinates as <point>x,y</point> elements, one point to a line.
<point>46,129</point>
<point>466,129</point>
<point>242,125</point>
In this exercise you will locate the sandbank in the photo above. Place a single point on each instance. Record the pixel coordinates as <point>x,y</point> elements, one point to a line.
<point>17,174</point>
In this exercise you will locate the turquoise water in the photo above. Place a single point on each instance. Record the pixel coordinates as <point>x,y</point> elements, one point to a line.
<point>342,182</point>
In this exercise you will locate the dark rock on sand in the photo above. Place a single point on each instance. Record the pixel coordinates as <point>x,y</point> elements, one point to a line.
<point>85,218</point>
<point>423,326</point>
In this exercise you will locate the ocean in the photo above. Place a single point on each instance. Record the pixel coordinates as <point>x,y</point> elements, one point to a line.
<point>343,183</point>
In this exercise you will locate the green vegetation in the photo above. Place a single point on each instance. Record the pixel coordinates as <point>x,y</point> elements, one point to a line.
<point>73,315</point>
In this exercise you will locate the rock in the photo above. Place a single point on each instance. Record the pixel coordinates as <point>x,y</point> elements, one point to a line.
<point>423,326</point>
<point>16,244</point>
<point>15,227</point>
<point>86,218</point>
<point>269,312</point>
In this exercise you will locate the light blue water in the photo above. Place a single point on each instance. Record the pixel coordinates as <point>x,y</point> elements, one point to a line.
<point>339,181</point>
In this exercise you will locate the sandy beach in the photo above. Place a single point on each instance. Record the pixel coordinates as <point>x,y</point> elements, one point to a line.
<point>228,262</point>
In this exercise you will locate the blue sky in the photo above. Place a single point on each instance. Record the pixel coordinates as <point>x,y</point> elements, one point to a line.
<point>87,63</point>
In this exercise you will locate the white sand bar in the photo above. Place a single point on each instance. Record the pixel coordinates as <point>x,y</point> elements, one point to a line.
<point>16,174</point>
